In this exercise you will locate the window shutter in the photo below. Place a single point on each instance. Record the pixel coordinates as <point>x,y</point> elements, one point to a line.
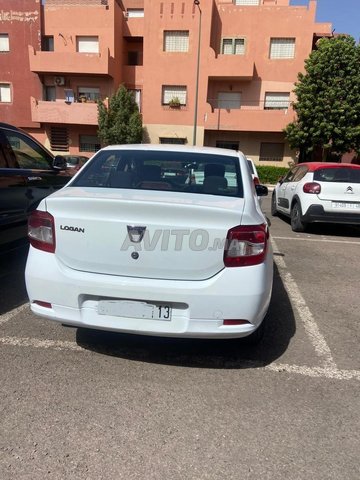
<point>176,41</point>
<point>170,92</point>
<point>282,48</point>
<point>247,2</point>
<point>277,100</point>
<point>88,44</point>
<point>4,42</point>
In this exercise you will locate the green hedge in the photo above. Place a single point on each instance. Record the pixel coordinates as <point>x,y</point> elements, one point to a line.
<point>269,174</point>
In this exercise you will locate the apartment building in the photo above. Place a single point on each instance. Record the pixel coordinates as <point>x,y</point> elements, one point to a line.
<point>226,66</point>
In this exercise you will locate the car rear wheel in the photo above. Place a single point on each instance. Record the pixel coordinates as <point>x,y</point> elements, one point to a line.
<point>297,224</point>
<point>274,211</point>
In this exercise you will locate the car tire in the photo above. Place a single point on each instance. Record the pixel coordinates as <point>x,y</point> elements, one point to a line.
<point>297,225</point>
<point>274,211</point>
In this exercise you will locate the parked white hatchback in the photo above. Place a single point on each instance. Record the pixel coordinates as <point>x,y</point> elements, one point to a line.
<point>319,192</point>
<point>134,244</point>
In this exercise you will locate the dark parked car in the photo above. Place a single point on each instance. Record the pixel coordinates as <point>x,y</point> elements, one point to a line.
<point>28,173</point>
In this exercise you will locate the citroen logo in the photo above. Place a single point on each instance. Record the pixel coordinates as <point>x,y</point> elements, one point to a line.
<point>136,233</point>
<point>349,190</point>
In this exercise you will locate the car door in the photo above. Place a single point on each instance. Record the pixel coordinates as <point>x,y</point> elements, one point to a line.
<point>13,198</point>
<point>34,164</point>
<point>292,184</point>
<point>284,191</point>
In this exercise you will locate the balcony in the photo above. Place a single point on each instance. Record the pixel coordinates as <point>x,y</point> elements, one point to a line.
<point>64,112</point>
<point>248,119</point>
<point>234,67</point>
<point>72,62</point>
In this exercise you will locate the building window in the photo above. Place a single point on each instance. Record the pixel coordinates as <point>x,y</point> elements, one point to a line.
<point>91,94</point>
<point>4,42</point>
<point>230,145</point>
<point>5,93</point>
<point>282,47</point>
<point>47,44</point>
<point>276,101</point>
<point>137,97</point>
<point>176,41</point>
<point>172,94</point>
<point>87,44</point>
<point>89,143</point>
<point>229,100</point>
<point>135,12</point>
<point>271,152</point>
<point>173,140</point>
<point>247,2</point>
<point>59,139</point>
<point>233,46</point>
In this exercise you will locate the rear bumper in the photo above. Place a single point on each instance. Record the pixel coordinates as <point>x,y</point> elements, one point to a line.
<point>316,213</point>
<point>198,307</point>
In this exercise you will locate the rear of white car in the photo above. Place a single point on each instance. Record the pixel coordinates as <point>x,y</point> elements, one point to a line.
<point>319,193</point>
<point>158,255</point>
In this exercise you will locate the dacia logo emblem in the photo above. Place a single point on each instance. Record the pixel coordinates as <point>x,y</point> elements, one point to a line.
<point>136,233</point>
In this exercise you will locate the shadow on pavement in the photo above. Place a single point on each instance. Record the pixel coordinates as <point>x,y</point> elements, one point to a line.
<point>12,280</point>
<point>202,353</point>
<point>328,229</point>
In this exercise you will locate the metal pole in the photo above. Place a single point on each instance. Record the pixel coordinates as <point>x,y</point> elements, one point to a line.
<point>197,3</point>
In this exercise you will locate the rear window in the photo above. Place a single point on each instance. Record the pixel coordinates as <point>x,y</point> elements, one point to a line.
<point>160,170</point>
<point>338,175</point>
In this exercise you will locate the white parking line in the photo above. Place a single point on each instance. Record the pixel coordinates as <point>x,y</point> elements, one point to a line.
<point>9,315</point>
<point>313,372</point>
<point>320,239</point>
<point>298,302</point>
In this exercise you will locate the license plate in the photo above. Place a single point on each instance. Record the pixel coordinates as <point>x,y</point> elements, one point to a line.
<point>127,308</point>
<point>347,205</point>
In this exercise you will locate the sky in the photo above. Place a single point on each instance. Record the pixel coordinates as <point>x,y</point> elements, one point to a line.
<point>343,14</point>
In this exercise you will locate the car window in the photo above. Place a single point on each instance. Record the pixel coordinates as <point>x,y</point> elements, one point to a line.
<point>290,175</point>
<point>299,174</point>
<point>250,167</point>
<point>340,175</point>
<point>28,154</point>
<point>162,170</point>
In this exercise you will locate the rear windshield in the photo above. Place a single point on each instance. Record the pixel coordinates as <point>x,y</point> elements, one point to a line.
<point>341,174</point>
<point>160,170</point>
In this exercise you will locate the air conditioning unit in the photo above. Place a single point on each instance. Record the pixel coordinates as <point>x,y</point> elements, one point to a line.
<point>59,81</point>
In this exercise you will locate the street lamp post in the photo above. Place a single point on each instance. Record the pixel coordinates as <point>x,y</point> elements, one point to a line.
<point>197,3</point>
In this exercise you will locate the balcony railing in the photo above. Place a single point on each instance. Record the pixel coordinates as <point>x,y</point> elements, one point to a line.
<point>248,116</point>
<point>61,111</point>
<point>71,62</point>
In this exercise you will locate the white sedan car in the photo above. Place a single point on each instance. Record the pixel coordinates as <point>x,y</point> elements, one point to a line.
<point>127,246</point>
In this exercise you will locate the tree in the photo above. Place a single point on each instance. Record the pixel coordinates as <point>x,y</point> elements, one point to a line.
<point>328,100</point>
<point>121,121</point>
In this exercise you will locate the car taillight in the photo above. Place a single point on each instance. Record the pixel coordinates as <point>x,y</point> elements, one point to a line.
<point>246,245</point>
<point>312,187</point>
<point>41,231</point>
<point>256,181</point>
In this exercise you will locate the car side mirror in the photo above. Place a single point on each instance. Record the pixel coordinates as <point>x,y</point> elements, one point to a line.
<point>261,190</point>
<point>59,163</point>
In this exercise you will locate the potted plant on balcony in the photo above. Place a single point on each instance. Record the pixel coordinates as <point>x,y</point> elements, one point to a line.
<point>175,102</point>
